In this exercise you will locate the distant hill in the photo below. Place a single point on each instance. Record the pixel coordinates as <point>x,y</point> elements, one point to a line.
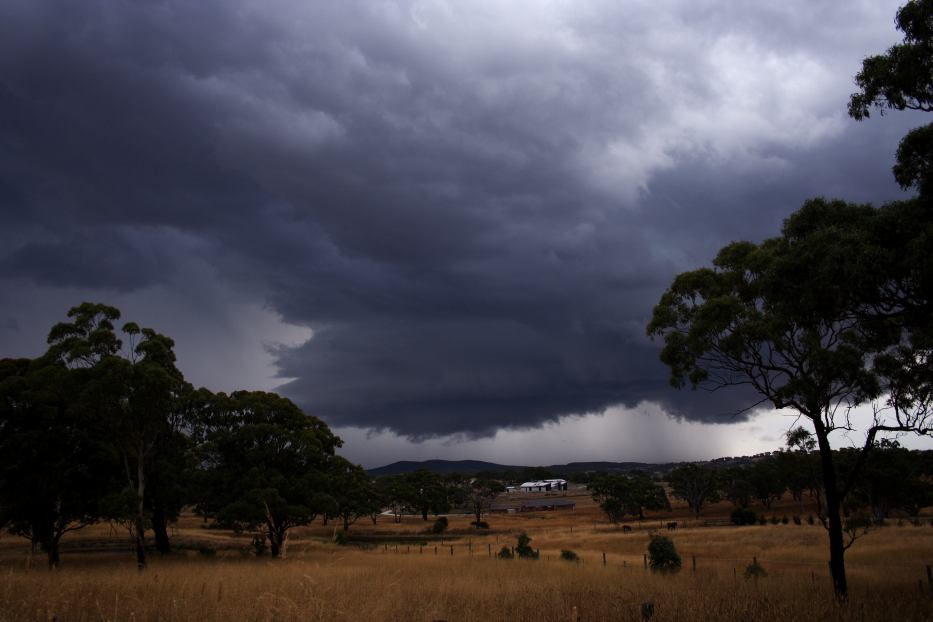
<point>470,467</point>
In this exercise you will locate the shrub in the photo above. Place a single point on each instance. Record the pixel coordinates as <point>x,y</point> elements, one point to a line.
<point>755,570</point>
<point>524,549</point>
<point>480,524</point>
<point>440,525</point>
<point>743,516</point>
<point>341,538</point>
<point>662,555</point>
<point>569,556</point>
<point>785,520</point>
<point>774,520</point>
<point>797,520</point>
<point>505,553</point>
<point>810,519</point>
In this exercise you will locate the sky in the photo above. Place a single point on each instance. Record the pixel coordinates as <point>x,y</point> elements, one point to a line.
<point>439,226</point>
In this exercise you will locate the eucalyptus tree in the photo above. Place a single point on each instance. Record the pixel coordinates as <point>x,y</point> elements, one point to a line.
<point>793,318</point>
<point>53,468</point>
<point>265,463</point>
<point>134,392</point>
<point>695,484</point>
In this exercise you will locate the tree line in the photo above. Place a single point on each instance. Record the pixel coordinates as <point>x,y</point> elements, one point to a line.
<point>892,480</point>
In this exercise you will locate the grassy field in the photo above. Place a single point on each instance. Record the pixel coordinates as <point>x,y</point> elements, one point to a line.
<point>405,580</point>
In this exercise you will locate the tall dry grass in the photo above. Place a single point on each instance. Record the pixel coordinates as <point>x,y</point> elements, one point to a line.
<point>322,581</point>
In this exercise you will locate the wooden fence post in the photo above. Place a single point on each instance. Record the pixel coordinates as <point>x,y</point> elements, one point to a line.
<point>694,564</point>
<point>451,549</point>
<point>489,547</point>
<point>930,576</point>
<point>604,558</point>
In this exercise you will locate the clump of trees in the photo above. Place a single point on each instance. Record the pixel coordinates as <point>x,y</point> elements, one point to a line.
<point>104,427</point>
<point>628,495</point>
<point>836,311</point>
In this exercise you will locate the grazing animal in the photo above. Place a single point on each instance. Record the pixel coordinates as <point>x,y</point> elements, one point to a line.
<point>626,528</point>
<point>671,526</point>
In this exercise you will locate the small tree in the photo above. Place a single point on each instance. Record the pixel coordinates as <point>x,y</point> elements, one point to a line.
<point>524,550</point>
<point>696,485</point>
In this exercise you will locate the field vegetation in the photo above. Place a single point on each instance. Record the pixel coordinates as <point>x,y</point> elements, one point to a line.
<point>393,572</point>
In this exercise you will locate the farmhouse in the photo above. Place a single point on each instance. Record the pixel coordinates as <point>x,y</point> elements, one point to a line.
<point>544,485</point>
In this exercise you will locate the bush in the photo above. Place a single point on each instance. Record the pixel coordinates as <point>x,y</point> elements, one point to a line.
<point>569,556</point>
<point>662,555</point>
<point>797,520</point>
<point>480,524</point>
<point>341,538</point>
<point>774,520</point>
<point>440,525</point>
<point>810,519</point>
<point>755,570</point>
<point>785,520</point>
<point>743,516</point>
<point>524,549</point>
<point>504,553</point>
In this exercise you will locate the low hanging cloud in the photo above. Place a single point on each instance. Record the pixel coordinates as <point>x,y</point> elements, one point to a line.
<point>472,205</point>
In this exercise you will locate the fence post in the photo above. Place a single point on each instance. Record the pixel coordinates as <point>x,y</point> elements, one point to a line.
<point>451,549</point>
<point>420,549</point>
<point>408,549</point>
<point>604,558</point>
<point>435,549</point>
<point>694,564</point>
<point>930,576</point>
<point>489,548</point>
<point>646,561</point>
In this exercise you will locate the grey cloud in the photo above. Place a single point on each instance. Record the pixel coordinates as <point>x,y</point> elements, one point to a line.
<point>473,206</point>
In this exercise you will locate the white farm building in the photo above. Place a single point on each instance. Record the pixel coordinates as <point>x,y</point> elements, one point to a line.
<point>544,485</point>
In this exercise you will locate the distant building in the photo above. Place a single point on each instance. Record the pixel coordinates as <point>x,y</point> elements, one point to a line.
<point>534,505</point>
<point>544,485</point>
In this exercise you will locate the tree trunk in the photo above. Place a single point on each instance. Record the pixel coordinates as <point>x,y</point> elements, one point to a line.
<point>140,506</point>
<point>160,528</point>
<point>52,550</point>
<point>346,521</point>
<point>274,544</point>
<point>424,513</point>
<point>837,551</point>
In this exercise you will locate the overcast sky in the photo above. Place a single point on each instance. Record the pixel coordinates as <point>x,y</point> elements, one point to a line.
<point>439,226</point>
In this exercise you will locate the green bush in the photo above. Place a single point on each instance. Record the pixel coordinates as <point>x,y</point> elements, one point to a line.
<point>440,525</point>
<point>524,549</point>
<point>569,556</point>
<point>743,516</point>
<point>785,520</point>
<point>341,538</point>
<point>662,555</point>
<point>797,520</point>
<point>505,553</point>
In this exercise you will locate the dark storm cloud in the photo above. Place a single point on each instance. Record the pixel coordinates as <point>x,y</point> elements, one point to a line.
<point>474,206</point>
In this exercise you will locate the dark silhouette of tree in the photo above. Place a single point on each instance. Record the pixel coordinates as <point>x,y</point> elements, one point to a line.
<point>266,462</point>
<point>134,393</point>
<point>621,495</point>
<point>695,484</point>
<point>796,319</point>
<point>53,468</point>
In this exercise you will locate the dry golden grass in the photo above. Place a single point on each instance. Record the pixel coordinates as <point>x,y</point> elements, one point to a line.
<point>321,581</point>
